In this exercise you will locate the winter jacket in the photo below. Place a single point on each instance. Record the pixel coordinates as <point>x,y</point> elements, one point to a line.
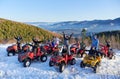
<point>95,42</point>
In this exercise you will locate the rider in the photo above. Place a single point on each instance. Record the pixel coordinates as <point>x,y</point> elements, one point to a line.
<point>66,39</point>
<point>82,45</point>
<point>19,38</point>
<point>77,44</point>
<point>49,43</point>
<point>95,41</point>
<point>36,45</point>
<point>55,41</point>
<point>108,45</point>
<point>94,47</point>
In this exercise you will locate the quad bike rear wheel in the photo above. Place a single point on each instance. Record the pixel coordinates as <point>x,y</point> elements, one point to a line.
<point>43,58</point>
<point>99,64</point>
<point>51,63</point>
<point>11,54</point>
<point>96,68</point>
<point>27,63</point>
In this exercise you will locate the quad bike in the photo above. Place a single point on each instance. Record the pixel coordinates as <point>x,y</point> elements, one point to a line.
<point>62,61</point>
<point>16,48</point>
<point>49,49</point>
<point>90,61</point>
<point>106,52</point>
<point>28,56</point>
<point>79,52</point>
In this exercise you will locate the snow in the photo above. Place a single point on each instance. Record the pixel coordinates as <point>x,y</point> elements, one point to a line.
<point>10,68</point>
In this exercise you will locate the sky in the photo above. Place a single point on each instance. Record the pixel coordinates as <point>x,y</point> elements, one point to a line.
<point>59,10</point>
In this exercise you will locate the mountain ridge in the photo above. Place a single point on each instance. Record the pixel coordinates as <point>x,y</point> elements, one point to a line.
<point>92,26</point>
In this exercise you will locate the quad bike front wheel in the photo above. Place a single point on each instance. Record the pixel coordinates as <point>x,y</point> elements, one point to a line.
<point>43,58</point>
<point>111,55</point>
<point>61,67</point>
<point>82,65</point>
<point>73,61</point>
<point>51,63</point>
<point>9,54</point>
<point>27,63</point>
<point>96,68</point>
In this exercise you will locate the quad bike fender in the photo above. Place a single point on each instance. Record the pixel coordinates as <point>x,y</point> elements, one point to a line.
<point>15,47</point>
<point>25,48</point>
<point>93,63</point>
<point>70,57</point>
<point>11,48</point>
<point>39,53</point>
<point>65,58</point>
<point>46,47</point>
<point>96,61</point>
<point>62,60</point>
<point>30,55</point>
<point>73,49</point>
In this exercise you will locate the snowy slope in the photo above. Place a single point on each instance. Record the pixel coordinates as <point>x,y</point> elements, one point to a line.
<point>10,68</point>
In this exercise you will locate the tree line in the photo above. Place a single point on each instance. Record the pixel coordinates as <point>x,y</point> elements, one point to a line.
<point>10,29</point>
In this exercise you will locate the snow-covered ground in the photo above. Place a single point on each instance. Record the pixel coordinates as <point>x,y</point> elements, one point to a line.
<point>10,68</point>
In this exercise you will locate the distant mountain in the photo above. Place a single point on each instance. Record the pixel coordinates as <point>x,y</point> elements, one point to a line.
<point>9,29</point>
<point>76,26</point>
<point>43,25</point>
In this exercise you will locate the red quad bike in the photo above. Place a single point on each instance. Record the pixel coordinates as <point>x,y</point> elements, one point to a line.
<point>61,61</point>
<point>106,52</point>
<point>28,56</point>
<point>49,49</point>
<point>12,50</point>
<point>78,52</point>
<point>15,49</point>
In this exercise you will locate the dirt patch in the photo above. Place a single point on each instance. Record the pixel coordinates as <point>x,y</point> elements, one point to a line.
<point>7,41</point>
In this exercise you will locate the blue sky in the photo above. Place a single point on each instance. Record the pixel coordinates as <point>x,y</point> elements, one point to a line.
<point>59,10</point>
